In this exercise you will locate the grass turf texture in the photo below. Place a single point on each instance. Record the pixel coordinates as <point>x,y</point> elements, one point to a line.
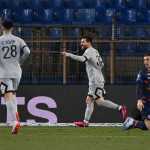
<point>71,138</point>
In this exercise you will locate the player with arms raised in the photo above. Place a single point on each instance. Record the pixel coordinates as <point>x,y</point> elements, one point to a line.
<point>94,65</point>
<point>13,52</point>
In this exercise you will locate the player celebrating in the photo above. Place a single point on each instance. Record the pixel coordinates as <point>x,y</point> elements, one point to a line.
<point>13,52</point>
<point>94,65</point>
<point>143,98</point>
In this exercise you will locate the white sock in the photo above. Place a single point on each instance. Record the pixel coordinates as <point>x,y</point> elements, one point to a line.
<point>88,112</point>
<point>11,109</point>
<point>15,103</point>
<point>108,104</point>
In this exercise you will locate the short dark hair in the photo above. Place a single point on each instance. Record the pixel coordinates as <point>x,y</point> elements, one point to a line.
<point>88,38</point>
<point>7,23</point>
<point>147,54</point>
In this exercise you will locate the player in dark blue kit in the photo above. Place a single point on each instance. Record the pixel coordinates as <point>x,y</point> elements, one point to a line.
<point>143,98</point>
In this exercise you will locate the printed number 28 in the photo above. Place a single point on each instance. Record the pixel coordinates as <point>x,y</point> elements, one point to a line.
<point>9,51</point>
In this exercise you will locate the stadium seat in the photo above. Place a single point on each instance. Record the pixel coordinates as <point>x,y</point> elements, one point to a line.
<point>7,13</point>
<point>110,3</point>
<point>55,33</point>
<point>120,4</point>
<point>58,16</point>
<point>24,16</point>
<point>110,14</point>
<point>126,48</point>
<point>46,4</point>
<point>43,16</point>
<point>4,4</point>
<point>68,16</point>
<point>104,32</point>
<point>142,4</point>
<point>73,4</point>
<point>29,4</point>
<point>99,4</point>
<point>57,3</point>
<point>140,32</point>
<point>148,16</point>
<point>142,16</point>
<point>131,16</point>
<point>72,32</point>
<point>89,3</point>
<point>100,16</point>
<point>131,4</point>
<point>84,16</point>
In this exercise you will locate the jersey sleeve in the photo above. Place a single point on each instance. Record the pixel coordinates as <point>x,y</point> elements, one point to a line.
<point>24,51</point>
<point>139,86</point>
<point>87,54</point>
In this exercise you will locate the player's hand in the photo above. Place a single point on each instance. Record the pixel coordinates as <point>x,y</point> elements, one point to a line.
<point>140,105</point>
<point>65,54</point>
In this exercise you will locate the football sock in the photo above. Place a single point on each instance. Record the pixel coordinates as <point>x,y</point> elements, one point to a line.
<point>108,104</point>
<point>88,112</point>
<point>140,125</point>
<point>11,109</point>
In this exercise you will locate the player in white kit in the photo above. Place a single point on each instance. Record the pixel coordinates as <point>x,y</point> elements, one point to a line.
<point>94,65</point>
<point>13,52</point>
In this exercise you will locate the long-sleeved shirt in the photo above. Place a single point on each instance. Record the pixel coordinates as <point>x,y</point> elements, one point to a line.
<point>143,85</point>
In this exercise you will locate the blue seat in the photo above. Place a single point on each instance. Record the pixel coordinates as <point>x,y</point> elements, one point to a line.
<point>105,32</point>
<point>24,16</point>
<point>46,4</point>
<point>73,4</point>
<point>142,4</point>
<point>72,32</point>
<point>100,16</point>
<point>84,16</point>
<point>89,3</point>
<point>4,4</point>
<point>126,48</point>
<point>7,13</point>
<point>110,14</point>
<point>148,16</point>
<point>142,16</point>
<point>56,3</point>
<point>43,16</point>
<point>131,16</point>
<point>68,16</point>
<point>141,32</point>
<point>29,4</point>
<point>99,4</point>
<point>58,16</point>
<point>120,4</point>
<point>55,33</point>
<point>110,3</point>
<point>121,15</point>
<point>131,4</point>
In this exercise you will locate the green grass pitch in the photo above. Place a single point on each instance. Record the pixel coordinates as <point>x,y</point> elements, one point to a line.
<point>71,138</point>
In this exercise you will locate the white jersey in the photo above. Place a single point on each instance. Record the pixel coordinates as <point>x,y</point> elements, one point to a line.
<point>13,50</point>
<point>94,65</point>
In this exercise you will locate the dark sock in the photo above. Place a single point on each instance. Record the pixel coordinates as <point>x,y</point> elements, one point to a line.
<point>140,125</point>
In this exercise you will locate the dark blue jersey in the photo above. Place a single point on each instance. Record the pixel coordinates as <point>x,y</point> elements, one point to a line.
<point>143,85</point>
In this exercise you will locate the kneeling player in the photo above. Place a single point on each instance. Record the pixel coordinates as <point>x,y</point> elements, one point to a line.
<point>143,98</point>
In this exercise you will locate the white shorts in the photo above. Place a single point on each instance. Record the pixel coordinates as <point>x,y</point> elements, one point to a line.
<point>97,91</point>
<point>9,85</point>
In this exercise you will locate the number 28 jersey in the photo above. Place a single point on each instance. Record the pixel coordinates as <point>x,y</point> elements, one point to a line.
<point>11,48</point>
<point>94,65</point>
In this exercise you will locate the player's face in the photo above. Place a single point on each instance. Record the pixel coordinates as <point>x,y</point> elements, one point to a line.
<point>84,44</point>
<point>147,62</point>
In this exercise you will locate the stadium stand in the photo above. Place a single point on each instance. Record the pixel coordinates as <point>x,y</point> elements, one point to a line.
<point>122,26</point>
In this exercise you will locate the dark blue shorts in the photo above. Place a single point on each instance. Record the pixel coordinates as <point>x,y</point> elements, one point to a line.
<point>145,113</point>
